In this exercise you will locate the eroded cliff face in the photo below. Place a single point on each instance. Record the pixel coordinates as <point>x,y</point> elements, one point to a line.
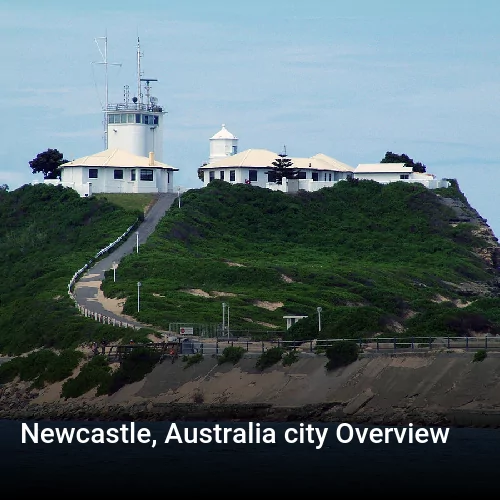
<point>488,251</point>
<point>428,389</point>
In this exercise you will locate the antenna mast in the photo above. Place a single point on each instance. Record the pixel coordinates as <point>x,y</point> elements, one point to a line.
<point>139,74</point>
<point>104,55</point>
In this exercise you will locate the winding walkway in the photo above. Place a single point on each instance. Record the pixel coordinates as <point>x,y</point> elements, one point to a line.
<point>88,292</point>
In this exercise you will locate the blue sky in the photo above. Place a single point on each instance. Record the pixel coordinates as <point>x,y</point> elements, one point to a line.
<point>348,79</point>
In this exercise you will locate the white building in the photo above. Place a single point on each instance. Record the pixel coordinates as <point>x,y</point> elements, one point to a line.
<point>254,166</point>
<point>222,145</point>
<point>394,172</point>
<point>116,171</point>
<point>133,140</point>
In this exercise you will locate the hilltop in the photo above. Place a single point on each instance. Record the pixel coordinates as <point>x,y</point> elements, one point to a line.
<point>394,259</point>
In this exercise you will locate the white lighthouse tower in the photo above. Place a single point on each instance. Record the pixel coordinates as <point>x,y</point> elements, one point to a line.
<point>135,125</point>
<point>222,145</point>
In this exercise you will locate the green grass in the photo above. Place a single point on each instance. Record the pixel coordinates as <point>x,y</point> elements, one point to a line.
<point>366,253</point>
<point>46,234</point>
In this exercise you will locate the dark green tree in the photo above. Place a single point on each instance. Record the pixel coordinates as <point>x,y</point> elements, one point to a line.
<point>200,172</point>
<point>282,167</point>
<point>49,163</point>
<point>4,187</point>
<point>395,158</point>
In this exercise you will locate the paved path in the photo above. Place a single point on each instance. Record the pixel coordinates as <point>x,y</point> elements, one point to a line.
<point>88,286</point>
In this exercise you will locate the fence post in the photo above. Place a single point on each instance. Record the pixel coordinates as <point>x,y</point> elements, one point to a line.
<point>466,343</point>
<point>247,345</point>
<point>486,342</point>
<point>360,344</point>
<point>216,345</point>
<point>394,340</point>
<point>412,344</point>
<point>278,343</point>
<point>430,342</point>
<point>448,338</point>
<point>377,343</point>
<point>201,349</point>
<point>311,346</point>
<point>262,346</point>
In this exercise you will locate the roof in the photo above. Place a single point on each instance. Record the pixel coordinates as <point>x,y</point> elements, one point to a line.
<point>331,163</point>
<point>223,133</point>
<point>381,168</point>
<point>247,158</point>
<point>115,158</point>
<point>264,158</point>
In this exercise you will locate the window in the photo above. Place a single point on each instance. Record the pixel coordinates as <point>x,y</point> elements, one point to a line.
<point>137,118</point>
<point>404,176</point>
<point>235,149</point>
<point>252,175</point>
<point>222,175</point>
<point>130,118</point>
<point>271,176</point>
<point>330,177</point>
<point>315,176</point>
<point>93,173</point>
<point>301,175</point>
<point>123,118</point>
<point>111,118</point>
<point>146,174</point>
<point>211,176</point>
<point>155,120</point>
<point>118,174</point>
<point>132,174</point>
<point>232,175</point>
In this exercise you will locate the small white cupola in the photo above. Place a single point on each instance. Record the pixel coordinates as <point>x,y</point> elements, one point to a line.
<point>222,145</point>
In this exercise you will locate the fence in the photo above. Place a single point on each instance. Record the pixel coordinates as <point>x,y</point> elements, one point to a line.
<point>197,329</point>
<point>418,344</point>
<point>102,318</point>
<point>89,314</point>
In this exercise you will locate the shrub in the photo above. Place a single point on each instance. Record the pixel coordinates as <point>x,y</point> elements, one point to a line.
<point>231,354</point>
<point>41,366</point>
<point>135,366</point>
<point>479,356</point>
<point>198,397</point>
<point>192,360</point>
<point>341,353</point>
<point>93,374</point>
<point>290,357</point>
<point>269,358</point>
<point>9,370</point>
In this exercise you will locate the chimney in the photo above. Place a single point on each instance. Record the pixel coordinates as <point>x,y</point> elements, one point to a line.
<point>151,159</point>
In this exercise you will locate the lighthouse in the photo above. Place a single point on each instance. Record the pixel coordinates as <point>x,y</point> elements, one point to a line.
<point>136,124</point>
<point>222,145</point>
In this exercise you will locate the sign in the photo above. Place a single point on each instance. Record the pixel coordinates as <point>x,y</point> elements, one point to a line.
<point>185,330</point>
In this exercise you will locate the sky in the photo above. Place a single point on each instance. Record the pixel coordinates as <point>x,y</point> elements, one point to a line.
<point>352,80</point>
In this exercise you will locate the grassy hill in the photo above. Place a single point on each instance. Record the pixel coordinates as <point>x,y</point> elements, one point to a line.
<point>46,234</point>
<point>377,258</point>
